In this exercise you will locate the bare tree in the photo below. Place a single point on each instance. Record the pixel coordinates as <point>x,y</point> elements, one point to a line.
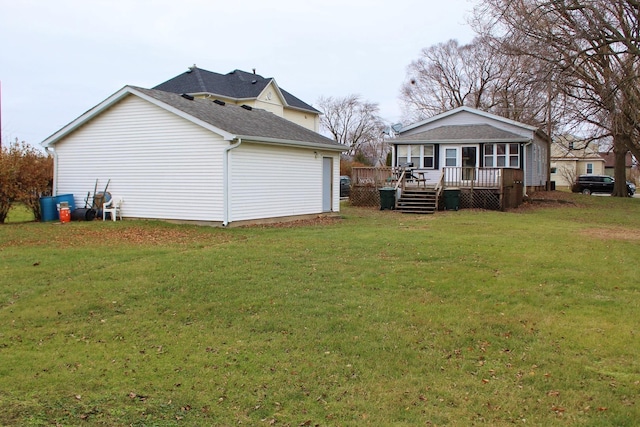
<point>591,47</point>
<point>449,75</point>
<point>354,123</point>
<point>568,174</point>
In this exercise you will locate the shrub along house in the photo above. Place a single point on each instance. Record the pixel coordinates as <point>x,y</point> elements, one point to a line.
<point>490,161</point>
<point>176,157</point>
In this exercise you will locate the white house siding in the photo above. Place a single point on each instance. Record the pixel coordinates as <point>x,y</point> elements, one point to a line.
<point>269,181</point>
<point>536,154</point>
<point>163,166</point>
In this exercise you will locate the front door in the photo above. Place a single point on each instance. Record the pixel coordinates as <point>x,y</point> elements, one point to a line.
<point>469,163</point>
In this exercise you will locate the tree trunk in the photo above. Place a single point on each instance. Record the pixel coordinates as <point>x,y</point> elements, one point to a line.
<point>620,148</point>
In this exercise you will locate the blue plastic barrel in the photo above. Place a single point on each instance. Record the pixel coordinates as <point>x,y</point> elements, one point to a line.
<point>48,209</point>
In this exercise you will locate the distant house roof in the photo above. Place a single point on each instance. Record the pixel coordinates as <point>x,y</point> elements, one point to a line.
<point>610,159</point>
<point>230,121</point>
<point>457,133</point>
<point>237,84</point>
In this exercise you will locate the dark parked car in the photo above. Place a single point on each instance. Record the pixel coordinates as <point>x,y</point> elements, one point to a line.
<point>345,186</point>
<point>589,184</point>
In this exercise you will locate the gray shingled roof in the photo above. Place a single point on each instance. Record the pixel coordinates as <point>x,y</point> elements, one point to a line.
<point>482,133</point>
<point>239,121</point>
<point>237,84</point>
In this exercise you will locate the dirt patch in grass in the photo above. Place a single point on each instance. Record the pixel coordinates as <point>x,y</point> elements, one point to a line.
<point>132,235</point>
<point>145,235</point>
<point>612,233</point>
<point>546,199</point>
<point>320,220</point>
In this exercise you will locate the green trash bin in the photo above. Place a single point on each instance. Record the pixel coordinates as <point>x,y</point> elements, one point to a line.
<point>387,198</point>
<point>452,199</point>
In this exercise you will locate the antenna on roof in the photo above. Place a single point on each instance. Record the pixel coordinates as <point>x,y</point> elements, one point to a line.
<point>393,130</point>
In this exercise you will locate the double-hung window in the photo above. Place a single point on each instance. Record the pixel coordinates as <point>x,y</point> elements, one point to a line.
<point>408,154</point>
<point>428,156</point>
<point>451,157</point>
<point>502,155</point>
<point>422,156</point>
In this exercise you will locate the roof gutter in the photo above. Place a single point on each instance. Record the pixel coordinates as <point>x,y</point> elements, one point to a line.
<point>400,141</point>
<point>292,143</point>
<point>226,181</point>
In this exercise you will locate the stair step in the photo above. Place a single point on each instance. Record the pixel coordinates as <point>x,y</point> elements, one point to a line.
<point>422,212</point>
<point>417,201</point>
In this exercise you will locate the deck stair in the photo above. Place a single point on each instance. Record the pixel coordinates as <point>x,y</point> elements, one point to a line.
<point>418,201</point>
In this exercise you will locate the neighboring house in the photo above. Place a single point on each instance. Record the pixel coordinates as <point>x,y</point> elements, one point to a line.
<point>609,162</point>
<point>243,88</point>
<point>570,158</point>
<point>177,157</point>
<point>470,144</point>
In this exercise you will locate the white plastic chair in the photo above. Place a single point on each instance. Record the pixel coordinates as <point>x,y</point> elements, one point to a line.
<point>114,207</point>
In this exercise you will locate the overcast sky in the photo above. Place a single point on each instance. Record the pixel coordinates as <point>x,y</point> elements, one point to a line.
<point>59,58</point>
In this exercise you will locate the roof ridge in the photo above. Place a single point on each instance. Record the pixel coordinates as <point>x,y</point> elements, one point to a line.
<point>200,79</point>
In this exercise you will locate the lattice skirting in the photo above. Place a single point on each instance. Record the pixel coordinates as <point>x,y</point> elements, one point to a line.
<point>364,196</point>
<point>476,199</point>
<point>480,199</point>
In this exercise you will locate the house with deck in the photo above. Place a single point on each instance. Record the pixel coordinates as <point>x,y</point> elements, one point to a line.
<point>178,157</point>
<point>489,161</point>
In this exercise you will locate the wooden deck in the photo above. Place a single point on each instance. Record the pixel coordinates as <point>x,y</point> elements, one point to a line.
<point>484,188</point>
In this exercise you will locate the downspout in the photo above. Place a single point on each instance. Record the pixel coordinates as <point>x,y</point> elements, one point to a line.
<point>524,170</point>
<point>53,153</point>
<point>226,180</point>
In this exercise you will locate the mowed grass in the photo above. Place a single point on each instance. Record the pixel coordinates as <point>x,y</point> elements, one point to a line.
<point>378,318</point>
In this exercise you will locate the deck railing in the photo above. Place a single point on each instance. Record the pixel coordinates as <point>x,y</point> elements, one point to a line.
<point>472,177</point>
<point>451,177</point>
<point>506,184</point>
<point>371,177</point>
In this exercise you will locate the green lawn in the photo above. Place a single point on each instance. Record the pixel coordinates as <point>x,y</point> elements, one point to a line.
<point>379,318</point>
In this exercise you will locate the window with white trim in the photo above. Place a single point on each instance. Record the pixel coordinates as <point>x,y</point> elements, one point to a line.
<point>408,154</point>
<point>451,157</point>
<point>422,156</point>
<point>502,155</point>
<point>428,156</point>
<point>589,167</point>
